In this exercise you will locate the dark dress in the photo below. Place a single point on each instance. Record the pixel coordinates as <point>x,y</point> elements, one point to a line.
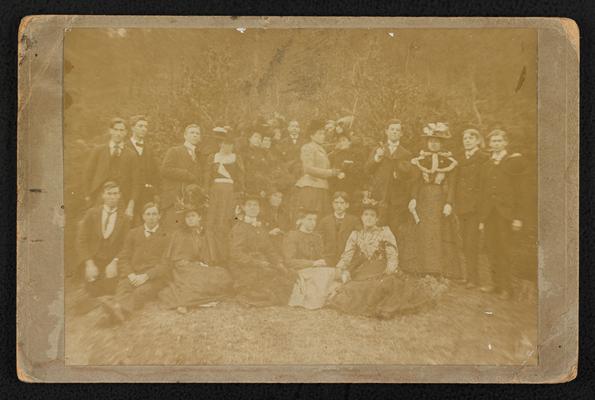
<point>256,266</point>
<point>193,281</point>
<point>377,289</point>
<point>351,162</point>
<point>257,169</point>
<point>435,234</point>
<point>225,177</point>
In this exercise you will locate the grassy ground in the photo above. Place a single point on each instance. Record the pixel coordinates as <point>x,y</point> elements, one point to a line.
<point>465,327</point>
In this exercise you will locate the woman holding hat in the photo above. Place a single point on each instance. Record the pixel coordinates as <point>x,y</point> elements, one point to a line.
<point>311,190</point>
<point>194,282</point>
<point>369,270</point>
<point>429,207</point>
<point>225,179</point>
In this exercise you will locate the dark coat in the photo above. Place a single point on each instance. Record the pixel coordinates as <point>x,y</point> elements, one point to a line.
<point>250,246</point>
<point>147,172</point>
<point>102,167</point>
<point>501,187</point>
<point>257,169</point>
<point>391,177</point>
<point>177,171</point>
<point>351,162</point>
<point>290,155</point>
<point>89,238</point>
<point>143,255</point>
<point>301,249</point>
<point>465,182</point>
<point>335,239</point>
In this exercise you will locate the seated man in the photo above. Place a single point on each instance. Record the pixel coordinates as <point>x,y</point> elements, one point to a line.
<point>140,265</point>
<point>303,253</point>
<point>336,228</point>
<point>100,237</point>
<point>260,277</point>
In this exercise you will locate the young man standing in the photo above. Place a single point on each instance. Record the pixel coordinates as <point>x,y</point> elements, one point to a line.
<point>336,228</point>
<point>145,166</point>
<point>290,150</point>
<point>391,174</point>
<point>181,166</point>
<point>500,209</point>
<point>463,195</point>
<point>113,162</point>
<point>100,237</point>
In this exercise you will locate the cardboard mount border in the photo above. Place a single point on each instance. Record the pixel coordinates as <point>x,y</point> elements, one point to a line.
<point>40,319</point>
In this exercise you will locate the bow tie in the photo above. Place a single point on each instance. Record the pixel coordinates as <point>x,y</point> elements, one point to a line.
<point>139,144</point>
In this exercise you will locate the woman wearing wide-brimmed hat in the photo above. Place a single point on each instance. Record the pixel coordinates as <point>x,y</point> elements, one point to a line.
<point>435,251</point>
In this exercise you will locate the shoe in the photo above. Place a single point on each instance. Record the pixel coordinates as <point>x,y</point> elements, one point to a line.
<point>504,295</point>
<point>114,310</point>
<point>182,310</point>
<point>105,321</point>
<point>470,285</point>
<point>211,304</point>
<point>487,289</point>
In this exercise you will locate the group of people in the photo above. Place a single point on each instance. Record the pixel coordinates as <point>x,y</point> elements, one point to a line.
<point>276,216</point>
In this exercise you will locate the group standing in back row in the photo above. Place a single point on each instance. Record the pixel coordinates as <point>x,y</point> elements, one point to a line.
<point>242,210</point>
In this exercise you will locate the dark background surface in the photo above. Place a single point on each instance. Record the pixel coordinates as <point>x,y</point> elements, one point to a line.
<point>582,12</point>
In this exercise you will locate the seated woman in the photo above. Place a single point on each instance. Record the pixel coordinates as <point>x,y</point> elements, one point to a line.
<point>193,281</point>
<point>260,278</point>
<point>303,252</point>
<point>372,284</point>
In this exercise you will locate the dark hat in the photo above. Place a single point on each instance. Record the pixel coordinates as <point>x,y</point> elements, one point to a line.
<point>302,212</point>
<point>186,208</point>
<point>223,135</point>
<point>436,130</point>
<point>369,206</point>
<point>251,196</point>
<point>316,125</point>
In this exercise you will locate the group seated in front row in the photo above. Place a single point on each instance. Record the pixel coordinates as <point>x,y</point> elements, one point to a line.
<point>177,268</point>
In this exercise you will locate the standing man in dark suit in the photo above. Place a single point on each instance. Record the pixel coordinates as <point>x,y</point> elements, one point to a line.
<point>463,196</point>
<point>391,172</point>
<point>181,166</point>
<point>500,209</point>
<point>290,149</point>
<point>336,228</point>
<point>100,237</point>
<point>113,162</point>
<point>145,166</point>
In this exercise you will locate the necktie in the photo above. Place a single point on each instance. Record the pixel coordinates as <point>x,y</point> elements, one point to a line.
<point>107,219</point>
<point>117,151</point>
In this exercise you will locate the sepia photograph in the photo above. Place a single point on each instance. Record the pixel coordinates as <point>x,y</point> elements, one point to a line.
<point>341,194</point>
<point>256,196</point>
